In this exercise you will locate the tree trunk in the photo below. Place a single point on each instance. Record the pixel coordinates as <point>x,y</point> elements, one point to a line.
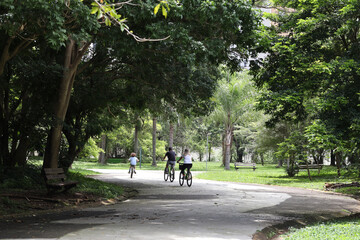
<point>352,158</point>
<point>262,159</point>
<point>21,151</point>
<point>239,150</point>
<point>136,140</point>
<point>332,158</point>
<point>209,148</point>
<point>228,136</point>
<point>171,134</point>
<point>71,154</point>
<point>4,144</point>
<point>154,143</point>
<point>71,62</point>
<point>4,126</point>
<point>223,149</point>
<point>338,159</point>
<point>308,170</point>
<point>76,142</point>
<point>102,156</point>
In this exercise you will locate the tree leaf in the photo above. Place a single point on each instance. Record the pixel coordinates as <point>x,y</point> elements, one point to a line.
<point>94,10</point>
<point>156,9</point>
<point>164,12</point>
<point>100,15</point>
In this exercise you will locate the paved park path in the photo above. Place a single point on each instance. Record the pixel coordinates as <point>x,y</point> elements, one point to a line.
<point>208,210</point>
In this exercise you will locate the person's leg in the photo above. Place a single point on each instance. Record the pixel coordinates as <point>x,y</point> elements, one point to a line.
<point>188,166</point>
<point>183,169</point>
<point>167,167</point>
<point>134,169</point>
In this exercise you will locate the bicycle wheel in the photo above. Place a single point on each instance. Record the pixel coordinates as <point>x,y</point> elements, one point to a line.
<point>166,174</point>
<point>131,172</point>
<point>189,179</point>
<point>172,174</point>
<point>181,178</point>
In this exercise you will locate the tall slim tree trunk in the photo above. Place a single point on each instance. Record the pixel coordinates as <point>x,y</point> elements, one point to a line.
<point>338,159</point>
<point>228,136</point>
<point>228,141</point>
<point>332,158</point>
<point>71,62</point>
<point>4,123</point>
<point>171,134</point>
<point>223,149</point>
<point>102,156</point>
<point>154,143</point>
<point>21,151</point>
<point>4,143</point>
<point>136,140</point>
<point>71,153</point>
<point>209,149</point>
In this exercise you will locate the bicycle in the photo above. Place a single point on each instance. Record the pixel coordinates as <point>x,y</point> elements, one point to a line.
<point>169,172</point>
<point>187,176</point>
<point>132,170</point>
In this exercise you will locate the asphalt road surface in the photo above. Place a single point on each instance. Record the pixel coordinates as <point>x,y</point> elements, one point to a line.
<point>208,210</point>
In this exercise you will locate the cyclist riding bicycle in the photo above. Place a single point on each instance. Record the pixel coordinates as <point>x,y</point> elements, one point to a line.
<point>171,158</point>
<point>133,160</point>
<point>187,161</point>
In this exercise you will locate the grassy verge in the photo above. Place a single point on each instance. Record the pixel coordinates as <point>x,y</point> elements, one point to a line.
<point>93,186</point>
<point>346,228</point>
<point>270,175</point>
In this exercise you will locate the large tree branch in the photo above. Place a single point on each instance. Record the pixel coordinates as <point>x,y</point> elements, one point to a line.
<point>23,44</point>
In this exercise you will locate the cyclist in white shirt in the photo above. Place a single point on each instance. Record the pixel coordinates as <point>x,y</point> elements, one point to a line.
<point>187,160</point>
<point>133,160</point>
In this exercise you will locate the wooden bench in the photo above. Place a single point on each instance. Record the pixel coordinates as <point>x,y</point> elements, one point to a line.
<point>55,180</point>
<point>310,167</point>
<point>238,165</point>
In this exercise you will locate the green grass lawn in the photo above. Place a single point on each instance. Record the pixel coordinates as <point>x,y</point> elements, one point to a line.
<point>346,228</point>
<point>271,175</point>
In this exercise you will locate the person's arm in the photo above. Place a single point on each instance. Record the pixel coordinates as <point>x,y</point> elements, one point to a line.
<point>179,159</point>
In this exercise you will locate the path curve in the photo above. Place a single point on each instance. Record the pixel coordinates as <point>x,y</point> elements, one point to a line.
<point>208,210</point>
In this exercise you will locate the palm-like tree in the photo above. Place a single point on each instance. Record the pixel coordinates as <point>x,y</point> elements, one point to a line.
<point>234,100</point>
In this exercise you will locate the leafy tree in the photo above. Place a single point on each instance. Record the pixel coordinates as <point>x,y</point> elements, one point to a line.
<point>268,139</point>
<point>233,98</point>
<point>90,150</point>
<point>312,65</point>
<point>22,81</point>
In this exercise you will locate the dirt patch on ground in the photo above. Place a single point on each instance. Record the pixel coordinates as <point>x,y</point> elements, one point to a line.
<point>15,204</point>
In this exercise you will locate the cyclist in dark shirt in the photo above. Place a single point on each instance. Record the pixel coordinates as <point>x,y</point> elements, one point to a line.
<point>171,158</point>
